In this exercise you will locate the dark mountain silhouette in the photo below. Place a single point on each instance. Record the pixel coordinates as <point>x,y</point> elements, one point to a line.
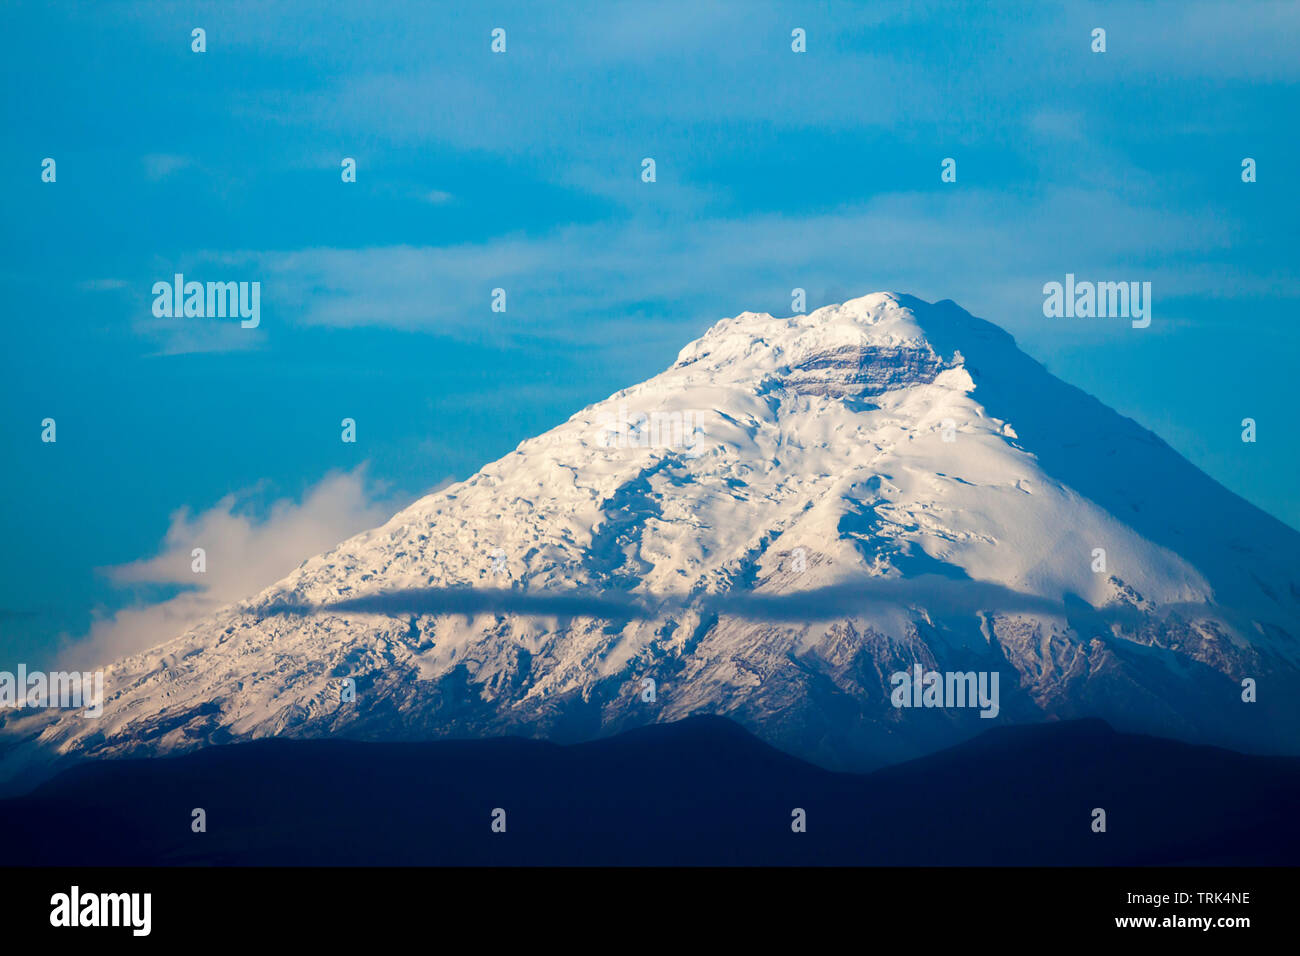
<point>700,791</point>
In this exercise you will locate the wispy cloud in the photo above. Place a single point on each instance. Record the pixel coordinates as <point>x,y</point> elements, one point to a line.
<point>104,285</point>
<point>161,165</point>
<point>934,593</point>
<point>188,336</point>
<point>936,246</point>
<point>244,553</point>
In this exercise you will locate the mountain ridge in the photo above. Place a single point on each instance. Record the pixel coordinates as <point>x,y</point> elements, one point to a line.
<point>702,791</point>
<point>875,484</point>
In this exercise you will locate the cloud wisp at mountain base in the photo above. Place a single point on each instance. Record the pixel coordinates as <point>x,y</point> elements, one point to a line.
<point>241,555</point>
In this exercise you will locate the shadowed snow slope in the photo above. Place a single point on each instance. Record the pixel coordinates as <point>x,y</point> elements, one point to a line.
<point>793,511</point>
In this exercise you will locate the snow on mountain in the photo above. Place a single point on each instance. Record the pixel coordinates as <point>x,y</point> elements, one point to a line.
<point>794,510</point>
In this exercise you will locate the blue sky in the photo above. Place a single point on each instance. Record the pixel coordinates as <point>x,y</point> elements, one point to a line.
<point>477,170</point>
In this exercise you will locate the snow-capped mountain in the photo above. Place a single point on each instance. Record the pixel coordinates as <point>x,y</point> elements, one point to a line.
<point>792,512</point>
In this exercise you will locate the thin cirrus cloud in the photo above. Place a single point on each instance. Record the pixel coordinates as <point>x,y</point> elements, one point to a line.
<point>192,336</point>
<point>161,165</point>
<point>937,247</point>
<point>676,86</point>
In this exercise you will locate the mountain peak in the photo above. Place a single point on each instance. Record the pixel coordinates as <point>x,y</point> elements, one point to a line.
<point>758,339</point>
<point>792,512</point>
<point>854,349</point>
